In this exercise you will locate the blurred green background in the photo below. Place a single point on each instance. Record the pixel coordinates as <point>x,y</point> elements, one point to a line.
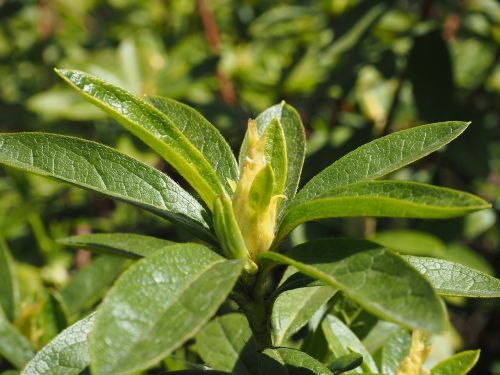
<point>355,70</point>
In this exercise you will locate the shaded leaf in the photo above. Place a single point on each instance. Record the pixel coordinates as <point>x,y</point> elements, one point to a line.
<point>53,318</point>
<point>14,347</point>
<point>9,288</point>
<point>345,363</point>
<point>284,361</point>
<point>394,350</point>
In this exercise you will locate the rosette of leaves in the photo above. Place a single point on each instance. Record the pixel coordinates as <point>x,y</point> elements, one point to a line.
<point>241,211</point>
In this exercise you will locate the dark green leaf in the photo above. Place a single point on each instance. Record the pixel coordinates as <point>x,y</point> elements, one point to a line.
<point>345,363</point>
<point>90,283</point>
<point>382,199</point>
<point>394,350</point>
<point>378,280</point>
<point>14,347</point>
<point>53,318</point>
<point>100,168</point>
<point>9,289</point>
<point>67,354</point>
<point>157,304</point>
<point>284,361</point>
<point>127,245</point>
<point>226,344</point>
<point>454,279</point>
<point>153,127</point>
<point>459,364</point>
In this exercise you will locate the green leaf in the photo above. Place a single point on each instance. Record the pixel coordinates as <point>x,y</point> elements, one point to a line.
<point>342,341</point>
<point>14,347</point>
<point>294,308</point>
<point>198,372</point>
<point>381,156</point>
<point>411,242</point>
<point>174,291</point>
<point>458,364</point>
<point>100,168</point>
<point>203,135</point>
<point>53,318</point>
<point>382,199</point>
<point>295,142</point>
<point>67,354</point>
<point>284,361</point>
<point>9,288</point>
<point>153,127</point>
<point>275,152</point>
<point>378,280</point>
<point>454,279</point>
<point>226,344</point>
<point>90,283</point>
<point>394,350</point>
<point>127,245</point>
<point>345,363</point>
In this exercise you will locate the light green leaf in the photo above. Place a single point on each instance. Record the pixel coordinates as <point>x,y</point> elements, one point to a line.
<point>127,245</point>
<point>381,156</point>
<point>342,341</point>
<point>378,280</point>
<point>284,361</point>
<point>14,347</point>
<point>226,344</point>
<point>9,287</point>
<point>458,364</point>
<point>102,169</point>
<point>67,354</point>
<point>203,135</point>
<point>53,318</point>
<point>157,304</point>
<point>382,199</point>
<point>295,142</point>
<point>293,309</point>
<point>454,279</point>
<point>90,283</point>
<point>275,152</point>
<point>198,372</point>
<point>153,127</point>
<point>411,242</point>
<point>394,350</point>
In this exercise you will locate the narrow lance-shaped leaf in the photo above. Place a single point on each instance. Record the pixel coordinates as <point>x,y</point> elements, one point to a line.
<point>381,156</point>
<point>226,344</point>
<point>14,347</point>
<point>203,135</point>
<point>458,364</point>
<point>454,279</point>
<point>102,169</point>
<point>9,289</point>
<point>383,199</point>
<point>378,280</point>
<point>127,245</point>
<point>284,361</point>
<point>67,354</point>
<point>154,128</point>
<point>157,304</point>
<point>394,350</point>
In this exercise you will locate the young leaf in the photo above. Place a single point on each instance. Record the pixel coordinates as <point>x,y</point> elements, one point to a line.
<point>14,347</point>
<point>454,279</point>
<point>284,361</point>
<point>9,289</point>
<point>226,344</point>
<point>127,245</point>
<point>153,127</point>
<point>203,135</point>
<point>67,354</point>
<point>275,151</point>
<point>90,283</point>
<point>378,280</point>
<point>382,199</point>
<point>458,364</point>
<point>157,304</point>
<point>293,309</point>
<point>102,169</point>
<point>394,350</point>
<point>295,142</point>
<point>342,341</point>
<point>382,156</point>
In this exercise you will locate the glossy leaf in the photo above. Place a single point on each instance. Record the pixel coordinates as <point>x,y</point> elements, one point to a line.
<point>458,364</point>
<point>394,350</point>
<point>285,361</point>
<point>67,354</point>
<point>90,283</point>
<point>226,344</point>
<point>203,135</point>
<point>345,363</point>
<point>127,245</point>
<point>14,347</point>
<point>454,279</point>
<point>153,127</point>
<point>372,276</point>
<point>342,341</point>
<point>381,156</point>
<point>157,304</point>
<point>102,169</point>
<point>293,309</point>
<point>9,289</point>
<point>383,199</point>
